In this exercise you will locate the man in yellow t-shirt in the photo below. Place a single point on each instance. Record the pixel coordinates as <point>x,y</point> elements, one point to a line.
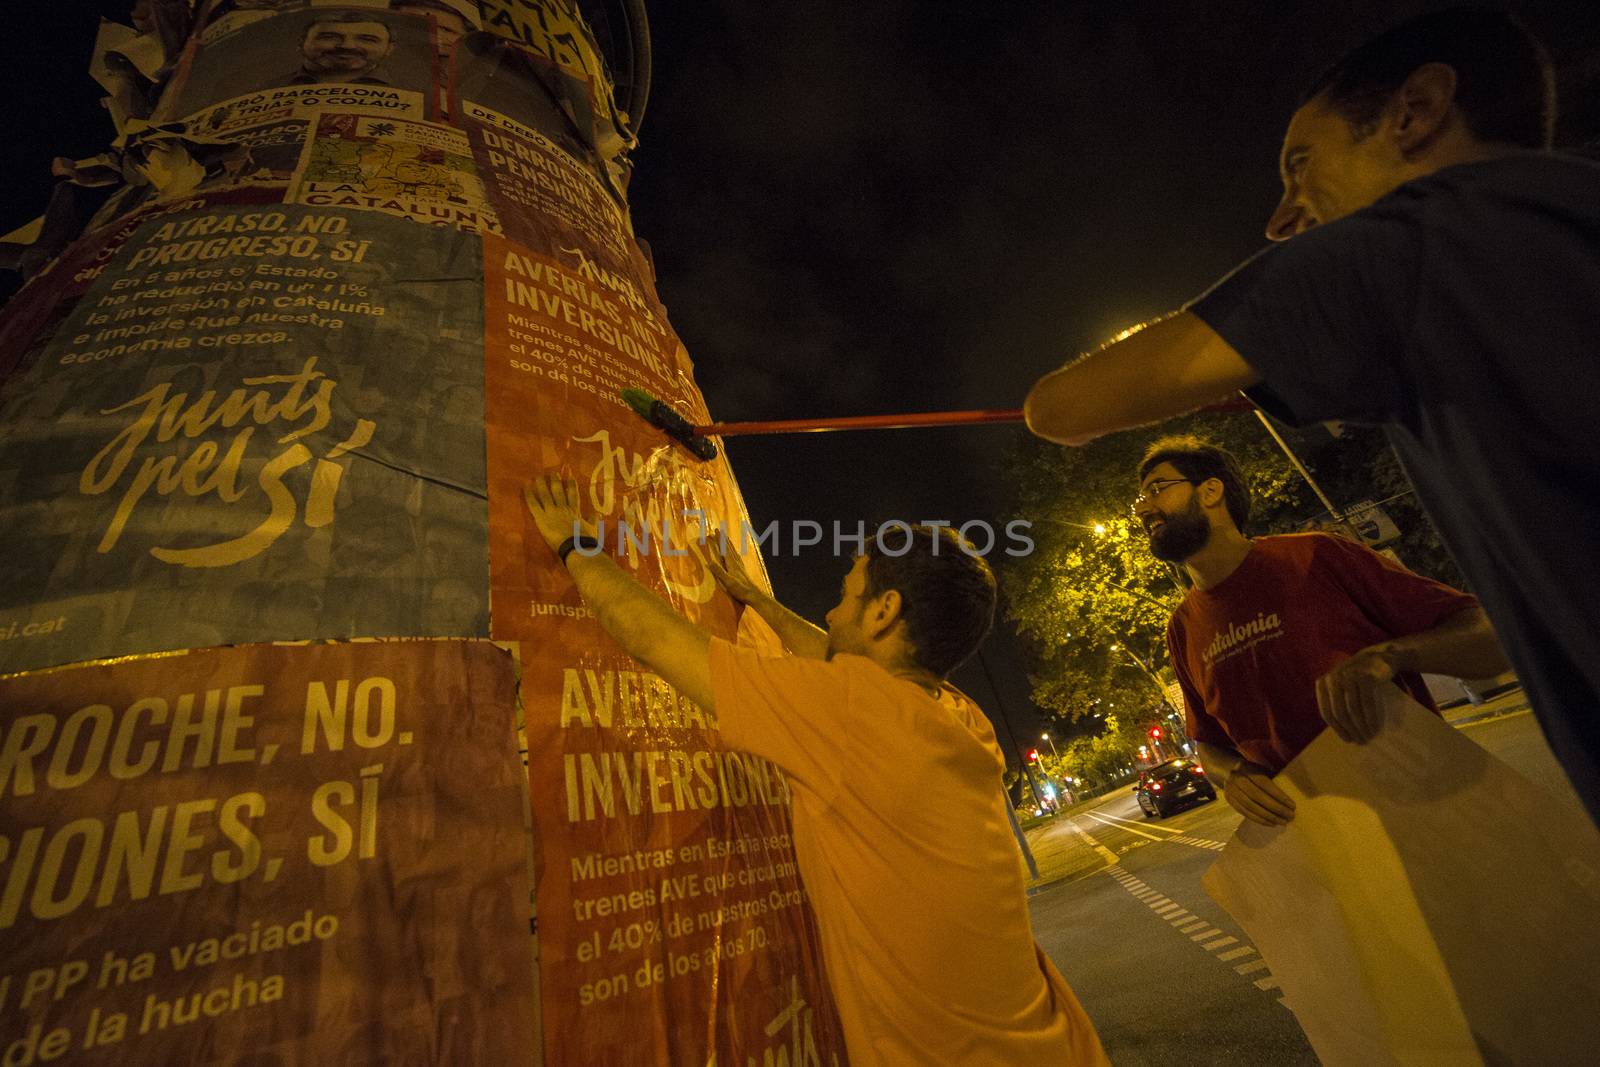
<point>900,821</point>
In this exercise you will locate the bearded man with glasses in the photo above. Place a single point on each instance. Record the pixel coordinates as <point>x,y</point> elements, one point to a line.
<point>1283,636</point>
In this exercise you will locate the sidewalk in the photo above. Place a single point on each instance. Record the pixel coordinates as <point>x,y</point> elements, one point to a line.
<point>1056,848</point>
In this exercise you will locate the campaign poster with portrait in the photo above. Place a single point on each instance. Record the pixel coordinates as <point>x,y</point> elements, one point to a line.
<point>266,855</point>
<point>336,56</point>
<point>256,423</point>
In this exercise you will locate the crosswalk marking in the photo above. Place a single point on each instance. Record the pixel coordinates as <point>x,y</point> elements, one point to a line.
<point>1200,930</point>
<point>1201,842</point>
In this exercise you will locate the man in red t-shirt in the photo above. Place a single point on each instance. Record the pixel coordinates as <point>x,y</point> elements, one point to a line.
<point>1281,636</point>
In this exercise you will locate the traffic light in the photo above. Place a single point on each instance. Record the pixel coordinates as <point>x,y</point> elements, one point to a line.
<point>1033,755</point>
<point>1155,733</point>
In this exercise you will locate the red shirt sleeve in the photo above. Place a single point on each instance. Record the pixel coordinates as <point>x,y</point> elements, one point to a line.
<point>788,710</point>
<point>1395,599</point>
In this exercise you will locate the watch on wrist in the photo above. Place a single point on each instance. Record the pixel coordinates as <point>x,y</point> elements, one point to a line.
<point>587,542</point>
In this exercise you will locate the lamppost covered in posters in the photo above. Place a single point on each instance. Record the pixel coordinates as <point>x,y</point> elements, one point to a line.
<point>341,277</point>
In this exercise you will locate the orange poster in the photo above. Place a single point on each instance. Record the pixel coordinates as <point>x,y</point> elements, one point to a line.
<point>673,924</point>
<point>266,855</point>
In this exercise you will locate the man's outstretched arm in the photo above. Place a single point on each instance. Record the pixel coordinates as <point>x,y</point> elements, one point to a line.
<point>1167,368</point>
<point>640,621</point>
<point>1351,696</point>
<point>799,636</point>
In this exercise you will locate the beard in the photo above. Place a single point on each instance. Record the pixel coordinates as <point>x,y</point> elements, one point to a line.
<point>839,642</point>
<point>1180,536</point>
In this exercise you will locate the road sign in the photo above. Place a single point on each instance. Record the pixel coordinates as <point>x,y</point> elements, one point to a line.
<point>1371,523</point>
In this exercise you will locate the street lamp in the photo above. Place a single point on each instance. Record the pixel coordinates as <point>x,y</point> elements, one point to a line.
<point>1053,753</point>
<point>1097,528</point>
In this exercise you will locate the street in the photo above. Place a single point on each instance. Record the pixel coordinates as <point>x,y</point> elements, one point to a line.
<point>1166,975</point>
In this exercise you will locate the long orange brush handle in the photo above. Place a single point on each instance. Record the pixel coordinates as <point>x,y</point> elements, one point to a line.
<point>859,422</point>
<point>893,422</point>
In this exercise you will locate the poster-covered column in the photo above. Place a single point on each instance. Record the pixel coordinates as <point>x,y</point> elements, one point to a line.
<point>376,270</point>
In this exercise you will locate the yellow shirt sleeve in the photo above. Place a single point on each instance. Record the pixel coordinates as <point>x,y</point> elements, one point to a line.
<point>788,710</point>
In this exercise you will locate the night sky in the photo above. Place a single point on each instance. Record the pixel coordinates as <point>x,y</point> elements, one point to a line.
<point>891,206</point>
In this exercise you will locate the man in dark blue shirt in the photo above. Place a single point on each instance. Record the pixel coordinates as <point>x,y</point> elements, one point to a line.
<point>1443,281</point>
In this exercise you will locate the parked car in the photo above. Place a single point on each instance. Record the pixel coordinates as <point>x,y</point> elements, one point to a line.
<point>1171,785</point>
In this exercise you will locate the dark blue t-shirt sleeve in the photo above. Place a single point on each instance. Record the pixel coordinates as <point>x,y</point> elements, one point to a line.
<point>1324,318</point>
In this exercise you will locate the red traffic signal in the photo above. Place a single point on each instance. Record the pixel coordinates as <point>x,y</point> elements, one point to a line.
<point>1155,733</point>
<point>1033,755</point>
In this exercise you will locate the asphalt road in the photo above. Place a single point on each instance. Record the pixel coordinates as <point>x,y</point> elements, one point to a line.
<point>1166,975</point>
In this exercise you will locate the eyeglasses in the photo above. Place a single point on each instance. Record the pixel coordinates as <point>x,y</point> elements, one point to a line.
<point>1156,488</point>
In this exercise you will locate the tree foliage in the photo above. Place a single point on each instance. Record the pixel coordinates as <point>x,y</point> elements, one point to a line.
<point>1103,756</point>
